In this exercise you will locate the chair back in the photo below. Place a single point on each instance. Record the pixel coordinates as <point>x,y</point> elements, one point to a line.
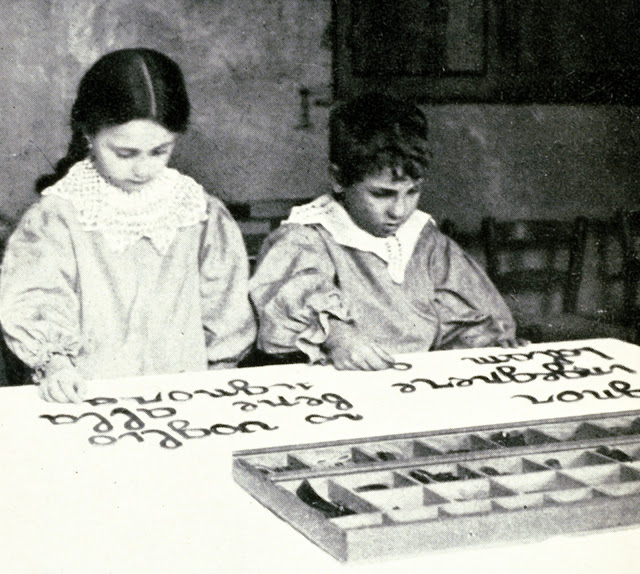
<point>543,257</point>
<point>628,224</point>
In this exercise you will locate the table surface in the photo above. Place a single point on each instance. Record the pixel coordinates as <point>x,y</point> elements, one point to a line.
<point>138,478</point>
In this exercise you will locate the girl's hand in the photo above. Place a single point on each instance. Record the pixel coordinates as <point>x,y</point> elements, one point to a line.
<point>62,383</point>
<point>348,349</point>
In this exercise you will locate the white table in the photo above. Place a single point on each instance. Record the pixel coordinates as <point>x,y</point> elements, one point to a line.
<point>126,504</point>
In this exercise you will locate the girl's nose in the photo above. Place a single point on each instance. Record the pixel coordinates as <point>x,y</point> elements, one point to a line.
<point>142,169</point>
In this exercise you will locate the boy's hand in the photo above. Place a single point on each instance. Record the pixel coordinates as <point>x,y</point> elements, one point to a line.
<point>513,343</point>
<point>348,349</point>
<point>62,383</point>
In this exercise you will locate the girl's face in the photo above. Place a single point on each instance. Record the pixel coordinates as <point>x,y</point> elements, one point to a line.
<point>381,203</point>
<point>131,155</point>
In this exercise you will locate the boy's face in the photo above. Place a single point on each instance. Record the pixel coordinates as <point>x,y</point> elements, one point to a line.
<point>133,154</point>
<point>381,203</point>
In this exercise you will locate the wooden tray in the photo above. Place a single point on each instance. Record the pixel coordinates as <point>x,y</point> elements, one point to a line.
<point>403,494</point>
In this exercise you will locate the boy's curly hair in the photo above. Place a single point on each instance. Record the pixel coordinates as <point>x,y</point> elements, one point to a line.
<point>374,131</point>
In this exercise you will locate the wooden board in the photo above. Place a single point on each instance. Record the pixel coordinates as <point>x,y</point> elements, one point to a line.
<point>403,494</point>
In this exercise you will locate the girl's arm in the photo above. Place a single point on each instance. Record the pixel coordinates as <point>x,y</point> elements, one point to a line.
<point>227,317</point>
<point>39,306</point>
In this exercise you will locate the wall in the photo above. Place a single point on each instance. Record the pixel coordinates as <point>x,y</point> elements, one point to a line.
<point>245,61</point>
<point>532,161</point>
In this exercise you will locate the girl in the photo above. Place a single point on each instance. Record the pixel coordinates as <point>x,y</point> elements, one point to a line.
<point>125,266</point>
<point>353,277</point>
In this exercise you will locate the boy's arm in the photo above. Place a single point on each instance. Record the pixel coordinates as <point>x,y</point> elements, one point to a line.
<point>295,294</point>
<point>471,311</point>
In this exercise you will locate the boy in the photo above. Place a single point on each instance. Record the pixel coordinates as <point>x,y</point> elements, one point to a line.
<point>360,274</point>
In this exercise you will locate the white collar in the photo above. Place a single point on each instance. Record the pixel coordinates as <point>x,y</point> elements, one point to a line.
<point>395,250</point>
<point>171,201</point>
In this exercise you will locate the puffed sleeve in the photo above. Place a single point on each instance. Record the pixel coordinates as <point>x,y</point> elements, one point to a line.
<point>470,310</point>
<point>295,292</point>
<point>39,305</point>
<point>227,317</point>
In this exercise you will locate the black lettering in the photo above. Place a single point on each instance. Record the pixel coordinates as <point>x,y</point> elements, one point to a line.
<point>512,376</point>
<point>433,384</point>
<point>405,387</point>
<point>167,440</point>
<point>132,434</point>
<point>223,429</point>
<point>521,357</point>
<point>174,396</point>
<point>556,371</point>
<point>133,422</point>
<point>217,394</point>
<point>607,394</point>
<point>458,382</point>
<point>596,352</point>
<point>282,402</point>
<point>533,399</point>
<point>98,401</point>
<point>400,366</point>
<point>569,396</point>
<point>143,401</point>
<point>159,412</point>
<point>242,386</point>
<point>60,419</point>
<point>490,360</point>
<point>245,405</point>
<point>102,440</point>
<point>340,403</point>
<point>618,390</point>
<point>315,419</point>
<point>623,389</point>
<point>180,427</point>
<point>103,424</point>
<point>310,401</point>
<point>245,427</point>
<point>558,356</point>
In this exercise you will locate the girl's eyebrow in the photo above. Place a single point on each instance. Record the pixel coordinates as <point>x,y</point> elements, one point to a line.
<point>165,144</point>
<point>135,149</point>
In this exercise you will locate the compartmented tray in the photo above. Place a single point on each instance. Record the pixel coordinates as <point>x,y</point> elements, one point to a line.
<point>403,494</point>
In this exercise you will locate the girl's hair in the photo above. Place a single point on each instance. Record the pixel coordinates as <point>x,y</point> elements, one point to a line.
<point>125,85</point>
<point>375,131</point>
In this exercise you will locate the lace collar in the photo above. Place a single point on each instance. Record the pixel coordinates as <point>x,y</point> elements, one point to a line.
<point>171,201</point>
<point>395,250</point>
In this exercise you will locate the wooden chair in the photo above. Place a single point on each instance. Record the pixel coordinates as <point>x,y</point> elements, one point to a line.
<point>12,370</point>
<point>256,220</point>
<point>4,379</point>
<point>537,265</point>
<point>628,224</point>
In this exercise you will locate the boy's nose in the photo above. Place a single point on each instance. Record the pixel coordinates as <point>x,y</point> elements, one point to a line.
<point>397,208</point>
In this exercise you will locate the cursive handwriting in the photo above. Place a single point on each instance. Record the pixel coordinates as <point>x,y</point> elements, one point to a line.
<point>617,390</point>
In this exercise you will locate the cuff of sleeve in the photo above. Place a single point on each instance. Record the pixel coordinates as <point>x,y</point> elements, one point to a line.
<point>40,361</point>
<point>221,365</point>
<point>311,339</point>
<point>486,333</point>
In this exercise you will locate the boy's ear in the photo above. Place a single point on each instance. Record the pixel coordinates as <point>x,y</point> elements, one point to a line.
<point>334,176</point>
